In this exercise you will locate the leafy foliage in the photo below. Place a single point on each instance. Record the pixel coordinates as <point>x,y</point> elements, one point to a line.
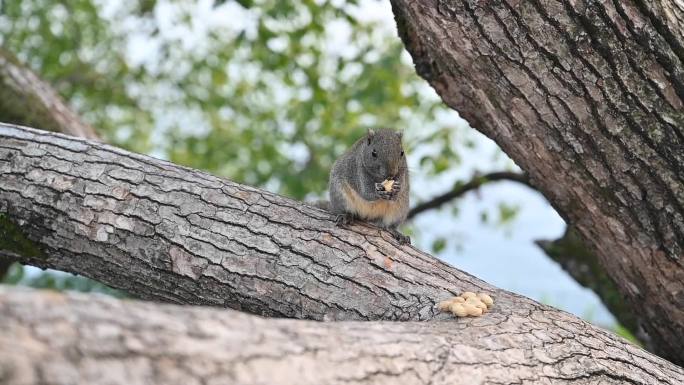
<point>264,92</point>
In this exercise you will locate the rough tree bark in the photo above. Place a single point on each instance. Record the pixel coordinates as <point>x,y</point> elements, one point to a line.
<point>582,265</point>
<point>166,232</point>
<point>568,251</point>
<point>18,105</point>
<point>586,96</point>
<point>86,339</point>
<point>28,100</point>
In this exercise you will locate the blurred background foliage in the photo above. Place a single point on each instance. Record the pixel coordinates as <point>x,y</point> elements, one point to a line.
<point>266,92</point>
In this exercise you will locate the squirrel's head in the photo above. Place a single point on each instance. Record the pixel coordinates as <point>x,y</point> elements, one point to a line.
<point>383,155</point>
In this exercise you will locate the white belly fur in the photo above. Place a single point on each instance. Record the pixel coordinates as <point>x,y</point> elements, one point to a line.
<point>386,211</point>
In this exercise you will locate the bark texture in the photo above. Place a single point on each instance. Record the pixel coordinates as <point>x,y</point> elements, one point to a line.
<point>70,338</point>
<point>28,100</point>
<point>586,96</point>
<point>582,265</point>
<point>165,232</point>
<point>170,233</point>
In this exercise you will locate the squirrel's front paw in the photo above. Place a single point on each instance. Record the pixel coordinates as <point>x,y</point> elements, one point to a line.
<point>387,195</point>
<point>382,192</point>
<point>396,187</point>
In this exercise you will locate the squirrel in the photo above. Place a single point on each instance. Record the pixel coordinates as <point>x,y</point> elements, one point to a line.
<point>370,182</point>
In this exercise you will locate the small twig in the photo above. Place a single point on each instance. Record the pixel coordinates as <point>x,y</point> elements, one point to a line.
<point>473,184</point>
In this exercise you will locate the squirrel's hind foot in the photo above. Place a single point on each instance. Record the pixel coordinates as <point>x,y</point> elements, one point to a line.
<point>343,219</point>
<point>403,239</point>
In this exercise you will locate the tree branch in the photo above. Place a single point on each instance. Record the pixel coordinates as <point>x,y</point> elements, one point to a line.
<point>165,232</point>
<point>168,233</point>
<point>166,344</point>
<point>473,184</point>
<point>27,100</point>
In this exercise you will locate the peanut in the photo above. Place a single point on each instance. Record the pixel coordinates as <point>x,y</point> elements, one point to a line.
<point>467,304</point>
<point>444,305</point>
<point>387,184</point>
<point>486,299</point>
<point>458,310</point>
<point>472,310</point>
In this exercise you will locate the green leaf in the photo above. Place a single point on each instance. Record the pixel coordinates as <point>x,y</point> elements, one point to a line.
<point>438,245</point>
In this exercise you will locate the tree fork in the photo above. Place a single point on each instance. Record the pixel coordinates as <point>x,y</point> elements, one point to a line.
<point>586,97</point>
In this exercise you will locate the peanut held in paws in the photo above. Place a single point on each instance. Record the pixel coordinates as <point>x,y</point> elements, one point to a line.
<point>387,184</point>
<point>467,304</point>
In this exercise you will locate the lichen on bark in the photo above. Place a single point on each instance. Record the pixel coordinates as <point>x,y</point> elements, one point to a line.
<point>12,239</point>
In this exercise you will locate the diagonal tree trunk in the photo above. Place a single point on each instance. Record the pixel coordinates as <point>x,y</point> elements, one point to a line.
<point>165,232</point>
<point>586,96</point>
<point>170,233</point>
<point>71,338</point>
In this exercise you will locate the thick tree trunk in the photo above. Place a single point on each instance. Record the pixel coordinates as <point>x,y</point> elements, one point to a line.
<point>86,339</point>
<point>28,100</point>
<point>166,232</point>
<point>582,265</point>
<point>586,96</point>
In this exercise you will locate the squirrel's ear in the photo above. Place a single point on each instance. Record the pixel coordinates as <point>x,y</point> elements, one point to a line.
<point>400,134</point>
<point>371,133</point>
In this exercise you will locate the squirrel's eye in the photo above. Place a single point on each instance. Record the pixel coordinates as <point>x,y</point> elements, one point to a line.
<point>374,153</point>
<point>402,153</point>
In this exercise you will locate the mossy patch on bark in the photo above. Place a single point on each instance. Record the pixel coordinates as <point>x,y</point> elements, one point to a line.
<point>12,239</point>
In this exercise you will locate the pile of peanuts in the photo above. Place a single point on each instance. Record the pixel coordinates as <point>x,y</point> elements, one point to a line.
<point>467,304</point>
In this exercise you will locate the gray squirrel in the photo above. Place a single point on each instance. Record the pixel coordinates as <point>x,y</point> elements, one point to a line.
<point>370,182</point>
